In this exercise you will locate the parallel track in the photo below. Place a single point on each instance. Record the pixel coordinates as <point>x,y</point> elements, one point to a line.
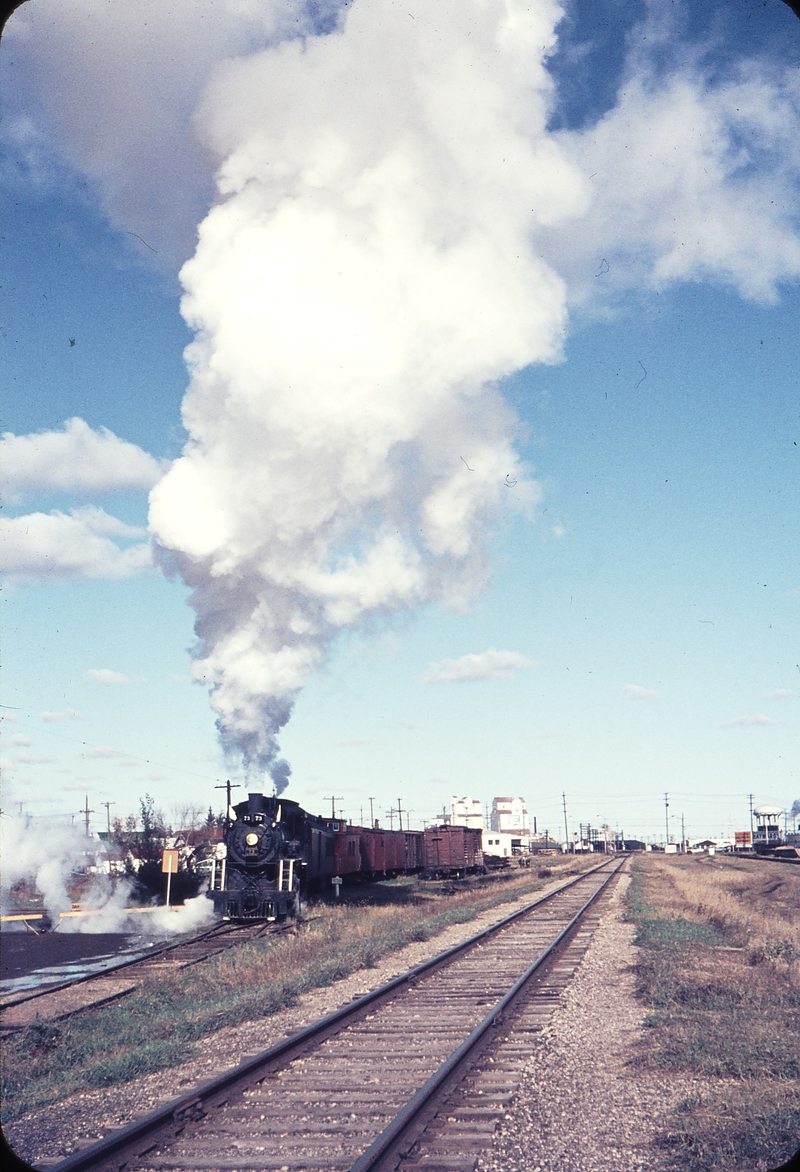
<point>360,1088</point>
<point>66,998</point>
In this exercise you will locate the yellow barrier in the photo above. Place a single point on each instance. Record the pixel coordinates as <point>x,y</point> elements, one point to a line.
<point>130,911</point>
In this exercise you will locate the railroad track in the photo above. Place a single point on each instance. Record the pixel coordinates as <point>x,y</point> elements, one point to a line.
<point>58,1002</point>
<point>414,1074</point>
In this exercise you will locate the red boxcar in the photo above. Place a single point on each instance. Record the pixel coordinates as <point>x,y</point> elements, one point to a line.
<point>347,850</point>
<point>452,850</point>
<point>395,851</point>
<point>373,852</point>
<point>415,850</point>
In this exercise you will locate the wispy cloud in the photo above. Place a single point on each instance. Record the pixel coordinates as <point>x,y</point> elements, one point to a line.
<point>30,759</point>
<point>75,459</point>
<point>781,694</point>
<point>485,665</point>
<point>78,544</point>
<point>98,752</point>
<point>749,722</point>
<point>107,677</point>
<point>55,717</point>
<point>637,692</point>
<point>20,739</point>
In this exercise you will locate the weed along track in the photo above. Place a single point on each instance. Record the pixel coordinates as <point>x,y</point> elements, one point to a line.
<point>415,1072</point>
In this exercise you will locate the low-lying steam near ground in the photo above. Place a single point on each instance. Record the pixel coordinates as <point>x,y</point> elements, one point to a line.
<point>51,856</point>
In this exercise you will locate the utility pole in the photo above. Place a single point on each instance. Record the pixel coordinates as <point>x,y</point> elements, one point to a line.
<point>86,813</point>
<point>108,806</point>
<point>400,813</point>
<point>228,787</point>
<point>371,814</point>
<point>683,835</point>
<point>566,826</point>
<point>750,796</point>
<point>333,800</point>
<point>666,818</point>
<point>390,813</point>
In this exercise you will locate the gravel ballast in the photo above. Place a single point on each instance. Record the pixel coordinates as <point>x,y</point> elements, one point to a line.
<point>581,1105</point>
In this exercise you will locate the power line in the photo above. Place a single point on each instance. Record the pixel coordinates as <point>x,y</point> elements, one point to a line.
<point>87,744</point>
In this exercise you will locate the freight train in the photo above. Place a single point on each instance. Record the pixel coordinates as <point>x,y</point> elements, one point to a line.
<point>274,853</point>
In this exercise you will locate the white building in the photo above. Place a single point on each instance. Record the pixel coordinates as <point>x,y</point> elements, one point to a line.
<point>510,815</point>
<point>466,812</point>
<point>502,844</point>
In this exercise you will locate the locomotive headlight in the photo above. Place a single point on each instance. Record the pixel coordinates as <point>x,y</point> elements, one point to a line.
<point>251,839</point>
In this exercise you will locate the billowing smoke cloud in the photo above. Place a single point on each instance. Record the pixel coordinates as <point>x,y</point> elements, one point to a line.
<point>368,277</point>
<point>795,810</point>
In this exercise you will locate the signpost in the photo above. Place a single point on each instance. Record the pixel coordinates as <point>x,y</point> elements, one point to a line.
<point>337,883</point>
<point>169,865</point>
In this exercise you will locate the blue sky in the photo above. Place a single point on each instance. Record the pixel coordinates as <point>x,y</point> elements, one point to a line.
<point>646,594</point>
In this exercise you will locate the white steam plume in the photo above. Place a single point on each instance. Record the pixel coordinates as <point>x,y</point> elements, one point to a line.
<point>48,855</point>
<point>368,277</point>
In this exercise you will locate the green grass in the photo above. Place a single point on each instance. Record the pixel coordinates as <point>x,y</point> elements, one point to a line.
<point>160,1023</point>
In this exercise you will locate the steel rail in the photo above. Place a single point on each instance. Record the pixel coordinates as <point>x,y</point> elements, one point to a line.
<point>386,1144</point>
<point>166,1123</point>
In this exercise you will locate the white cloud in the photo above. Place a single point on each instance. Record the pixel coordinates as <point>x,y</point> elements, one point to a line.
<point>486,665</point>
<point>781,694</point>
<point>749,722</point>
<point>637,692</point>
<point>107,677</point>
<point>20,739</point>
<point>7,766</point>
<point>101,753</point>
<point>30,759</point>
<point>692,180</point>
<point>54,717</point>
<point>57,545</point>
<point>76,459</point>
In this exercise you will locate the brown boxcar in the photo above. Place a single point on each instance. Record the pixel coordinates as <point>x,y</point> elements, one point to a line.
<point>395,851</point>
<point>452,850</point>
<point>373,852</point>
<point>415,850</point>
<point>347,851</point>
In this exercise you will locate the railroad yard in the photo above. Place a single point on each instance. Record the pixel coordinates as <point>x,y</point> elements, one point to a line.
<point>660,1033</point>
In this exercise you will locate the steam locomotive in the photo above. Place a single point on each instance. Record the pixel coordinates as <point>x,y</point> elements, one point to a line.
<point>274,852</point>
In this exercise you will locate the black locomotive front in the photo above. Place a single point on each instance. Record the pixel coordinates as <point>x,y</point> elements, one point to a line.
<point>257,869</point>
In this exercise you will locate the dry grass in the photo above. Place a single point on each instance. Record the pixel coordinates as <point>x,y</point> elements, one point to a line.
<point>159,1024</point>
<point>720,971</point>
